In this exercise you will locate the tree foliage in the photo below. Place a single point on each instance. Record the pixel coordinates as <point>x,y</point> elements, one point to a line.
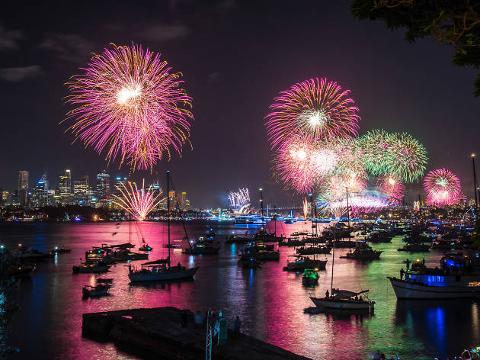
<point>453,22</point>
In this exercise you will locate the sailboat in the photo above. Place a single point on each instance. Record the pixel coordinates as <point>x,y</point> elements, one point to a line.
<point>162,269</point>
<point>343,300</point>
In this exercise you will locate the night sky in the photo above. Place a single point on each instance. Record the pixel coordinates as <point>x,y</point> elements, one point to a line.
<point>235,57</point>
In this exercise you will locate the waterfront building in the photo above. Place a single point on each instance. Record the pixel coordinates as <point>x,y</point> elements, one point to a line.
<point>22,188</point>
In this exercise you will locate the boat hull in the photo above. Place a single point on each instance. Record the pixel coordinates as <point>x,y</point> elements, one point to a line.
<point>418,291</point>
<point>345,305</point>
<point>141,276</point>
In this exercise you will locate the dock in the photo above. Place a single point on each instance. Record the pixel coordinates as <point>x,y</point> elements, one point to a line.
<point>158,333</point>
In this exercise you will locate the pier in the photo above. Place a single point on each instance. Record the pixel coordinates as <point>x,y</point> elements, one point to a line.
<point>159,333</point>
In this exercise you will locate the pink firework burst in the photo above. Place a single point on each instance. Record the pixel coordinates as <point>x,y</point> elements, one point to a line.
<point>301,165</point>
<point>315,109</point>
<point>137,202</point>
<point>442,187</point>
<point>129,104</point>
<point>392,187</point>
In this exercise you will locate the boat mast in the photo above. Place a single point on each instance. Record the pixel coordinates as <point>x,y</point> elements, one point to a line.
<point>333,260</point>
<point>348,211</point>
<point>168,214</point>
<point>261,202</point>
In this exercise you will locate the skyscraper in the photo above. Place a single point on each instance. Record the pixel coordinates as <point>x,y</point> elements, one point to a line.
<point>23,187</point>
<point>65,187</point>
<point>102,189</point>
<point>81,191</point>
<point>40,192</point>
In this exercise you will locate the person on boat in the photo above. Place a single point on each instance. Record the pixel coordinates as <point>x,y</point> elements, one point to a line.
<point>402,273</point>
<point>327,294</point>
<point>407,263</point>
<point>237,324</point>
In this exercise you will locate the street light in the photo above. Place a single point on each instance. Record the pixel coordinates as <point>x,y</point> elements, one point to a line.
<point>261,202</point>
<point>474,181</point>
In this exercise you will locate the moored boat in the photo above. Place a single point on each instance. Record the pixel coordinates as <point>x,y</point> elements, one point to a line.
<point>304,262</point>
<point>363,252</point>
<point>345,300</point>
<point>160,270</point>
<point>95,291</point>
<point>89,268</point>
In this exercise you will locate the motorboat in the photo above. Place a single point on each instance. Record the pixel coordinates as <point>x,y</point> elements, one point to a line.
<point>454,279</point>
<point>304,262</point>
<point>95,291</point>
<point>415,247</point>
<point>202,247</point>
<point>310,277</point>
<point>84,268</point>
<point>363,252</point>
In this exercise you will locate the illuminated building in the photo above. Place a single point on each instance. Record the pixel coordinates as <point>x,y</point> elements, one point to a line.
<point>22,187</point>
<point>40,193</point>
<point>102,189</point>
<point>81,191</point>
<point>65,187</point>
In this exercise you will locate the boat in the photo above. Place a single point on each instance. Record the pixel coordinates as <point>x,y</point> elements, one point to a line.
<point>304,262</point>
<point>95,291</point>
<point>292,242</point>
<point>379,237</point>
<point>145,247</point>
<point>415,247</point>
<point>57,250</point>
<point>88,268</point>
<point>201,247</point>
<point>435,287</point>
<point>310,277</point>
<point>362,252</point>
<point>21,270</point>
<point>346,301</point>
<point>314,250</point>
<point>162,270</point>
<point>104,280</point>
<point>455,279</point>
<point>239,239</point>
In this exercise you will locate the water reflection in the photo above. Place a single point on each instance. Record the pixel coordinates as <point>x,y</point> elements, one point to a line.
<point>269,301</point>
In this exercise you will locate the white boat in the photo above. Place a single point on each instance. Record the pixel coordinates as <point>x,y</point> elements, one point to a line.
<point>161,271</point>
<point>345,300</point>
<point>436,287</point>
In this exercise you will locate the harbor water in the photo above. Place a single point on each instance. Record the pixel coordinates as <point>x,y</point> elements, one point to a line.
<point>269,301</point>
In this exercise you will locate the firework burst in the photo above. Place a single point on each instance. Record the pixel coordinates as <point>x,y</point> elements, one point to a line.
<point>407,158</point>
<point>392,187</point>
<point>375,146</point>
<point>315,109</point>
<point>301,165</point>
<point>442,187</point>
<point>137,202</point>
<point>129,104</point>
<point>239,200</point>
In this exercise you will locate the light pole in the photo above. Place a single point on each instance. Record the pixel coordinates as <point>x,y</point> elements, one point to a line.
<point>474,181</point>
<point>261,202</point>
